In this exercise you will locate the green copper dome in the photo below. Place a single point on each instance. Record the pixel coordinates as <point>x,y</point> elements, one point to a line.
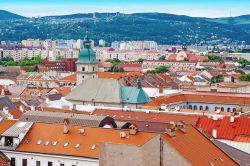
<point>87,54</point>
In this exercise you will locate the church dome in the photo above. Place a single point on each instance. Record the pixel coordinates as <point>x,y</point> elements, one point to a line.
<point>87,54</point>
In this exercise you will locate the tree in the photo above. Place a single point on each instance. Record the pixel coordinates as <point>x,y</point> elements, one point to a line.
<point>59,57</point>
<point>28,68</point>
<point>116,69</point>
<point>162,69</point>
<point>245,77</point>
<point>217,79</point>
<point>114,61</point>
<point>243,62</point>
<point>214,58</point>
<point>162,57</point>
<point>140,60</point>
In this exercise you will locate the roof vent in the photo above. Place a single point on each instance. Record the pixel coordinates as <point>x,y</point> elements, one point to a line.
<point>93,147</point>
<point>27,141</point>
<point>39,142</point>
<point>54,143</point>
<point>77,146</point>
<point>66,144</point>
<point>81,131</point>
<point>122,135</point>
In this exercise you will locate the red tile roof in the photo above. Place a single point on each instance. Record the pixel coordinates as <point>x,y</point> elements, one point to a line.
<point>93,136</point>
<point>197,149</point>
<point>209,97</point>
<point>5,124</point>
<point>225,128</point>
<point>149,117</point>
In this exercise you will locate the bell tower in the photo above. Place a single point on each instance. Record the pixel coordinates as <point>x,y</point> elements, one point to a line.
<point>87,65</point>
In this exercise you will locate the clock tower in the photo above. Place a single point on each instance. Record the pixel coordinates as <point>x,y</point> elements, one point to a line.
<point>87,65</point>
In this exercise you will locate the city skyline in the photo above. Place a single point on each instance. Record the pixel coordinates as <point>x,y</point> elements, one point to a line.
<point>220,8</point>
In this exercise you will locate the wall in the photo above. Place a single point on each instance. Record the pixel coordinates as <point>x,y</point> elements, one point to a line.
<point>56,159</point>
<point>146,155</point>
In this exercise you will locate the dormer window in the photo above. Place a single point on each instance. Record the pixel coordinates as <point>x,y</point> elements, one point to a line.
<point>83,68</point>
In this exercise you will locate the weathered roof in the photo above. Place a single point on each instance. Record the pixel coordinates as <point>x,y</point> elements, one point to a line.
<point>107,91</point>
<point>16,129</point>
<point>148,117</point>
<point>241,157</point>
<point>59,117</point>
<point>208,97</point>
<point>5,124</point>
<point>6,102</point>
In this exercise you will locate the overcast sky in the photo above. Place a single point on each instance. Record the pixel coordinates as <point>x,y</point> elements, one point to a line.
<point>198,8</point>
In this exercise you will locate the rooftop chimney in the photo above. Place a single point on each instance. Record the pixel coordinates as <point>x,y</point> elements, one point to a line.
<point>65,127</point>
<point>132,129</point>
<point>231,119</point>
<point>214,133</point>
<point>161,89</point>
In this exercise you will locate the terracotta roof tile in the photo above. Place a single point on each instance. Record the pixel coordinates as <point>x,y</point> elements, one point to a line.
<point>5,124</point>
<point>197,149</point>
<point>225,128</point>
<point>93,136</point>
<point>148,117</point>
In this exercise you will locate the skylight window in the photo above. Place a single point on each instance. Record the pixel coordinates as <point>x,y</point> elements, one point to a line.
<point>54,143</point>
<point>77,146</point>
<point>47,143</point>
<point>66,144</point>
<point>93,147</point>
<point>39,142</point>
<point>221,159</point>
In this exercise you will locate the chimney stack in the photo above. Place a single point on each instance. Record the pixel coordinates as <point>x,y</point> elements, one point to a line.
<point>161,89</point>
<point>132,129</point>
<point>65,127</point>
<point>214,133</point>
<point>231,119</point>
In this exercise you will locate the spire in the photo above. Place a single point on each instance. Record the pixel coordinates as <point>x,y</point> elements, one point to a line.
<point>87,42</point>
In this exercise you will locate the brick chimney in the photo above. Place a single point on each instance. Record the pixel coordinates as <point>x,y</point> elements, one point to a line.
<point>161,89</point>
<point>65,126</point>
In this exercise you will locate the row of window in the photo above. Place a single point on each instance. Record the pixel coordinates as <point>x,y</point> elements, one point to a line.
<point>207,108</point>
<point>25,162</point>
<point>84,69</point>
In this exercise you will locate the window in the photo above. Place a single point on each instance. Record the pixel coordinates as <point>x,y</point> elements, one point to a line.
<point>190,107</point>
<point>38,163</point>
<point>24,162</point>
<point>93,68</point>
<point>50,163</point>
<point>201,107</point>
<point>207,108</point>
<point>222,109</point>
<point>61,164</point>
<point>195,107</point>
<point>12,161</point>
<point>228,109</point>
<point>83,68</point>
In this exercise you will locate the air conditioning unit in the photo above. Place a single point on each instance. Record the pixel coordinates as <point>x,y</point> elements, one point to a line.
<point>122,135</point>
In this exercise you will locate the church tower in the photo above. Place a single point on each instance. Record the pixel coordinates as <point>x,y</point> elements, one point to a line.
<point>87,65</point>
